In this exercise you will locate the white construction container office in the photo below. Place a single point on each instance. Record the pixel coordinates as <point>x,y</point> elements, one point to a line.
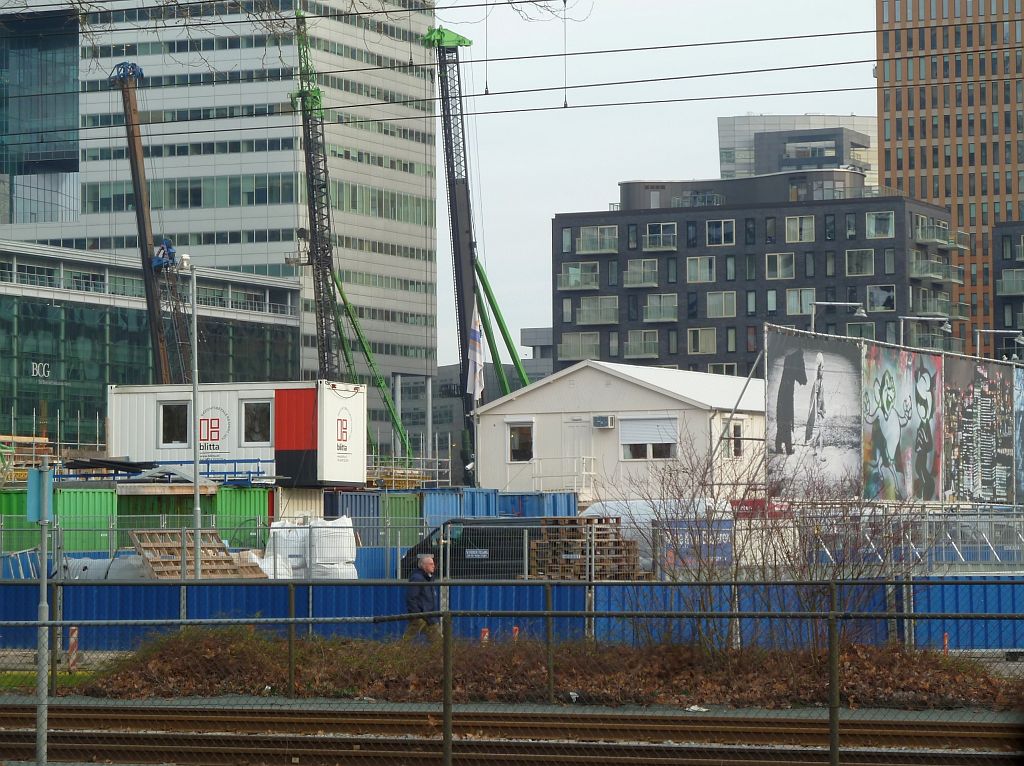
<point>306,434</point>
<point>609,431</point>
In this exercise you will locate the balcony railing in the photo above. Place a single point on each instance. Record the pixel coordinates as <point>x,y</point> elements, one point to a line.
<point>1012,283</point>
<point>930,304</point>
<point>932,235</point>
<point>661,313</point>
<point>640,349</point>
<point>576,352</point>
<point>639,278</point>
<point>604,315</point>
<point>923,268</point>
<point>959,310</point>
<point>601,244</point>
<point>660,242</point>
<point>586,280</point>
<point>936,341</point>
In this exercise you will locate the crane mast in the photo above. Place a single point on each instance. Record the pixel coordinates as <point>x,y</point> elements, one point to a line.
<point>460,214</point>
<point>125,77</point>
<point>309,100</point>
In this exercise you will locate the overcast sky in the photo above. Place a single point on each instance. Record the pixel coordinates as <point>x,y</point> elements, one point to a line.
<point>527,167</point>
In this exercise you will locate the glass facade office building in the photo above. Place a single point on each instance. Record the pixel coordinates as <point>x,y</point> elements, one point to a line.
<point>72,322</point>
<point>39,118</point>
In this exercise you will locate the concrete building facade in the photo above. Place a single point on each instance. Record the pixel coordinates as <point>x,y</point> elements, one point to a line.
<point>951,122</point>
<point>223,147</point>
<point>686,273</point>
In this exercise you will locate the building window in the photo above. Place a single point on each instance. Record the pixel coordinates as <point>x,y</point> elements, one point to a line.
<point>749,232</point>
<point>661,307</point>
<point>579,276</point>
<point>798,301</point>
<point>722,368</point>
<point>860,263</point>
<point>613,273</point>
<point>751,303</point>
<point>173,424</point>
<point>700,268</point>
<point>851,226</point>
<point>861,330</point>
<point>830,227</point>
<point>671,271</point>
<point>730,268</point>
<point>520,442</point>
<point>567,240</point>
<point>579,345</point>
<point>701,340</point>
<point>751,265</point>
<point>256,420</point>
<point>730,339</point>
<point>613,343</point>
<point>631,236</point>
<point>800,228</point>
<point>751,338</point>
<point>779,266</point>
<point>660,236</point>
<point>769,230</point>
<point>673,341</point>
<point>648,438</point>
<point>879,225</point>
<point>830,263</point>
<point>567,310</point>
<point>735,438</point>
<point>598,239</point>
<point>642,344</point>
<point>881,297</point>
<point>720,233</point>
<point>808,264</point>
<point>691,234</point>
<point>721,304</point>
<point>771,304</point>
<point>889,258</point>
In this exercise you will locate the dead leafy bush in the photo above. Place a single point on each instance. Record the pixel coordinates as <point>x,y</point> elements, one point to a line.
<point>202,662</point>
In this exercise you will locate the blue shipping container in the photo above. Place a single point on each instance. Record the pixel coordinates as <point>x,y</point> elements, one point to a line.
<point>538,504</point>
<point>364,510</point>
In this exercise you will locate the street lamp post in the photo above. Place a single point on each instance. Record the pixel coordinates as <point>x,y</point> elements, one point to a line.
<point>859,313</point>
<point>946,327</point>
<point>1018,337</point>
<point>197,511</point>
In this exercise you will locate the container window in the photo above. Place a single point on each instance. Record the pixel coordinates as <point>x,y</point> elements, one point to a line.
<point>256,422</point>
<point>173,424</point>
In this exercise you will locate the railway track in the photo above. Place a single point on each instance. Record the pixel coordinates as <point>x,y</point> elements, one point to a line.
<point>596,727</point>
<point>327,750</point>
<point>164,734</point>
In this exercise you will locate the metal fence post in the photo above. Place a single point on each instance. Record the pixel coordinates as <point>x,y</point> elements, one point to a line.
<point>291,639</point>
<point>833,677</point>
<point>549,641</point>
<point>448,674</point>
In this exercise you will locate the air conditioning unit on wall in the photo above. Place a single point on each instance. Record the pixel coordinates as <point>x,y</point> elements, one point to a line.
<point>603,421</point>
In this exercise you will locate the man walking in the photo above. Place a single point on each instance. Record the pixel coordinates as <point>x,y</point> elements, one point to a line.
<point>421,597</point>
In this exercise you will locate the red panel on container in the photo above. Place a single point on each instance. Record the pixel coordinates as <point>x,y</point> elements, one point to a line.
<point>295,419</point>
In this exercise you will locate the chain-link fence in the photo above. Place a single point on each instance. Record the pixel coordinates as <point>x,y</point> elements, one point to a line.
<point>185,671</point>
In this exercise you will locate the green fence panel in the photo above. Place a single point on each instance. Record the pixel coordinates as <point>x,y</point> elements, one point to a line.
<point>84,516</point>
<point>16,533</point>
<point>242,515</point>
<point>402,512</point>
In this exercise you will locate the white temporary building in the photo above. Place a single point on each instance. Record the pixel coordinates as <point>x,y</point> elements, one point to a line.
<point>611,430</point>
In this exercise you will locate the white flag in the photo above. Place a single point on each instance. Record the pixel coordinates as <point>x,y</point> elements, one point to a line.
<point>475,383</point>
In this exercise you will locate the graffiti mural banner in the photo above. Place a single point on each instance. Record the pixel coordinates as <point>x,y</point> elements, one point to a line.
<point>902,424</point>
<point>813,412</point>
<point>978,431</point>
<point>1018,417</point>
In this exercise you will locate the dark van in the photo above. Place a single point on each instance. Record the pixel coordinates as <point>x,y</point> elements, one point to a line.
<point>493,548</point>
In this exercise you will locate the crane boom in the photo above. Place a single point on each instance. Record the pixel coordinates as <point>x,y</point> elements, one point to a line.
<point>125,76</point>
<point>309,100</point>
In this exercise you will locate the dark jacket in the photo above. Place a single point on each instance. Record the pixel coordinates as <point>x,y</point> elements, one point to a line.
<point>420,595</point>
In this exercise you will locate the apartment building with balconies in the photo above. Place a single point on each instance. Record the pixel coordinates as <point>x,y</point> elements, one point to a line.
<point>1008,269</point>
<point>686,273</point>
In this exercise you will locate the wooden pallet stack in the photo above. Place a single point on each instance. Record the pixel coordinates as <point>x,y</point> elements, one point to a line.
<point>161,549</point>
<point>584,548</point>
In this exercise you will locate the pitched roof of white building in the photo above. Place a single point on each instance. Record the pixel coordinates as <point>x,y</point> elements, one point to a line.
<point>698,389</point>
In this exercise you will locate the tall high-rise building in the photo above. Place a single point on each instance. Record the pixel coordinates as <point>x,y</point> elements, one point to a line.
<point>951,121</point>
<point>224,155</point>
